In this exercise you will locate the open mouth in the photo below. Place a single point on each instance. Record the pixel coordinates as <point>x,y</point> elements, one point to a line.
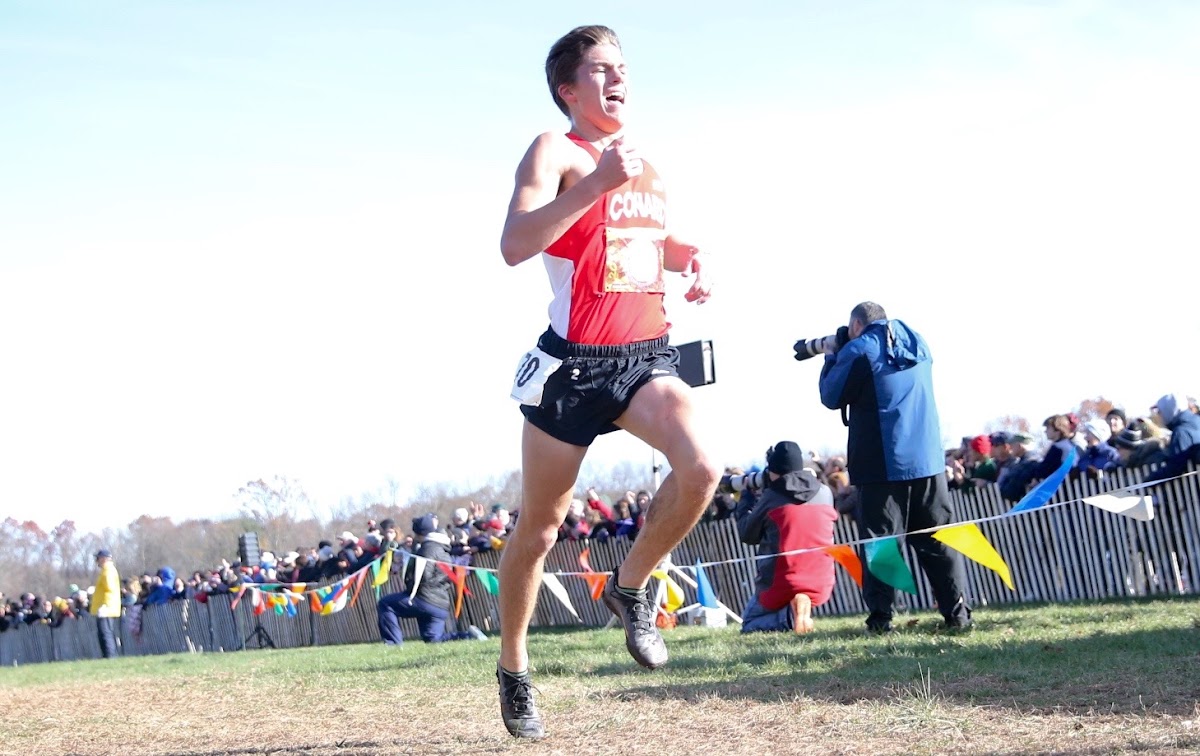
<point>616,97</point>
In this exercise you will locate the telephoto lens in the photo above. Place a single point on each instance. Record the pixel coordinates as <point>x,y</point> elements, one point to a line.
<point>734,483</point>
<point>807,348</point>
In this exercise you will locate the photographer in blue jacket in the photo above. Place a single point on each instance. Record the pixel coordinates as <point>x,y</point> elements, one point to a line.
<point>878,373</point>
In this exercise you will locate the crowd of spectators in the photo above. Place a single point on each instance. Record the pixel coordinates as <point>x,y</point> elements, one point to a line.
<point>1165,439</point>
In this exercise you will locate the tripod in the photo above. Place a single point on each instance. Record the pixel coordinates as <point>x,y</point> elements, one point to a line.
<point>260,634</point>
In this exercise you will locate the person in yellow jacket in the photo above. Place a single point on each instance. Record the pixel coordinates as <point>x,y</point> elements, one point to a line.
<point>106,603</point>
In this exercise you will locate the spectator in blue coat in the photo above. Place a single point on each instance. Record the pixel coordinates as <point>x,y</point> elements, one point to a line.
<point>164,591</point>
<point>1174,411</point>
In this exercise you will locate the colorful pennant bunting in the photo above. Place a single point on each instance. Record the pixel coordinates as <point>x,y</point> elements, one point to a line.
<point>489,581</point>
<point>1126,504</point>
<point>674,598</point>
<point>560,593</point>
<point>418,573</point>
<point>1044,491</point>
<point>705,594</point>
<point>383,571</point>
<point>845,556</point>
<point>596,582</point>
<point>886,563</point>
<point>969,540</point>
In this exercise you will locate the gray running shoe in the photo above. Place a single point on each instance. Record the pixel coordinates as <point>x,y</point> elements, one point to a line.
<point>636,613</point>
<point>520,714</point>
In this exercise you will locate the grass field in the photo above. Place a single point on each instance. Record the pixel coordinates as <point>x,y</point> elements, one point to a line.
<point>1094,678</point>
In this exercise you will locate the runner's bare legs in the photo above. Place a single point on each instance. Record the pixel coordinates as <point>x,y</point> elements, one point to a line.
<point>549,470</point>
<point>661,415</point>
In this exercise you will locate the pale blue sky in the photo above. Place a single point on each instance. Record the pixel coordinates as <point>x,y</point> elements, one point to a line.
<point>240,240</point>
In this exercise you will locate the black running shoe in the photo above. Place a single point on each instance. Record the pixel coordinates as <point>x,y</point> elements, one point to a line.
<point>636,613</point>
<point>520,715</point>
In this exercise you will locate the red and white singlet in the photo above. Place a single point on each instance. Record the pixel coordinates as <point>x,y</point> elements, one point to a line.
<point>607,269</point>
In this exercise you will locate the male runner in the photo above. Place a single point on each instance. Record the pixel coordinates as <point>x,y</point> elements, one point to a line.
<point>594,210</point>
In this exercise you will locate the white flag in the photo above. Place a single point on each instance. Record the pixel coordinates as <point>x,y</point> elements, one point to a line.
<point>559,592</point>
<point>1127,504</point>
<point>418,573</point>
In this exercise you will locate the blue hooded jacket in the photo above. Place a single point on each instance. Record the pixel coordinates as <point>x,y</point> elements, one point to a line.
<point>885,377</point>
<point>165,592</point>
<point>1185,438</point>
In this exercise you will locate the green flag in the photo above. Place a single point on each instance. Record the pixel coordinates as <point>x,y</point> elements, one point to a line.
<point>886,563</point>
<point>490,583</point>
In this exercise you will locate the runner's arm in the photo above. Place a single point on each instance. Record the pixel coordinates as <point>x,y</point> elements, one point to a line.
<point>538,215</point>
<point>681,257</point>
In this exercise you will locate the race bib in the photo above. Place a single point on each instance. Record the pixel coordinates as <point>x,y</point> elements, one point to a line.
<point>534,370</point>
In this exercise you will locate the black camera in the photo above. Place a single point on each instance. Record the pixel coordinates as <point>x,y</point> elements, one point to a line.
<point>732,483</point>
<point>806,348</point>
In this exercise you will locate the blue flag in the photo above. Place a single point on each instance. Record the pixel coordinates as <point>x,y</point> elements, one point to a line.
<point>704,590</point>
<point>1044,491</point>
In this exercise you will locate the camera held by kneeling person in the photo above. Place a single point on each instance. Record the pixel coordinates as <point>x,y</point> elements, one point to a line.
<point>785,509</point>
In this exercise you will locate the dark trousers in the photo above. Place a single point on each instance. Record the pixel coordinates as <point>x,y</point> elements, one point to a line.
<point>106,632</point>
<point>431,619</point>
<point>896,508</point>
<point>756,619</point>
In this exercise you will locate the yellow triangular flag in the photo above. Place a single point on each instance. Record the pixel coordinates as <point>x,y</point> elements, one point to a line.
<point>385,570</point>
<point>971,542</point>
<point>674,592</point>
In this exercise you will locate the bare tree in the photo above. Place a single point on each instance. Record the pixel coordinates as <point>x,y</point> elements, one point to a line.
<point>271,506</point>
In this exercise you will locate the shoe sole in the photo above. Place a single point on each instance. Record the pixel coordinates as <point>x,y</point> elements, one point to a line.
<point>802,622</point>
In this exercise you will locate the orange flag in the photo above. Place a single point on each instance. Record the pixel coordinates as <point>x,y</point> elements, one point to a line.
<point>362,578</point>
<point>458,576</point>
<point>314,602</point>
<point>845,556</point>
<point>597,581</point>
<point>460,581</point>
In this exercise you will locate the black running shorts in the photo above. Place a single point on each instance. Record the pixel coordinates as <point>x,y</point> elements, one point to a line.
<point>594,384</point>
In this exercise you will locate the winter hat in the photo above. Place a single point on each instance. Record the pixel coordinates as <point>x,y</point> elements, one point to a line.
<point>424,525</point>
<point>982,445</point>
<point>461,514</point>
<point>1000,437</point>
<point>1127,439</point>
<point>1118,412</point>
<point>1171,406</point>
<point>785,457</point>
<point>347,536</point>
<point>1099,429</point>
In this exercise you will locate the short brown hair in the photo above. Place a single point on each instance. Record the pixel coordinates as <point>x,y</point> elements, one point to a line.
<point>1060,423</point>
<point>567,53</point>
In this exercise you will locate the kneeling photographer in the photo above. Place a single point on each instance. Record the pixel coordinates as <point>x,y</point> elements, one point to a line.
<point>785,509</point>
<point>882,376</point>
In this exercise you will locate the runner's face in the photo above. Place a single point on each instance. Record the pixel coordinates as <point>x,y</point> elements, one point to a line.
<point>600,90</point>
